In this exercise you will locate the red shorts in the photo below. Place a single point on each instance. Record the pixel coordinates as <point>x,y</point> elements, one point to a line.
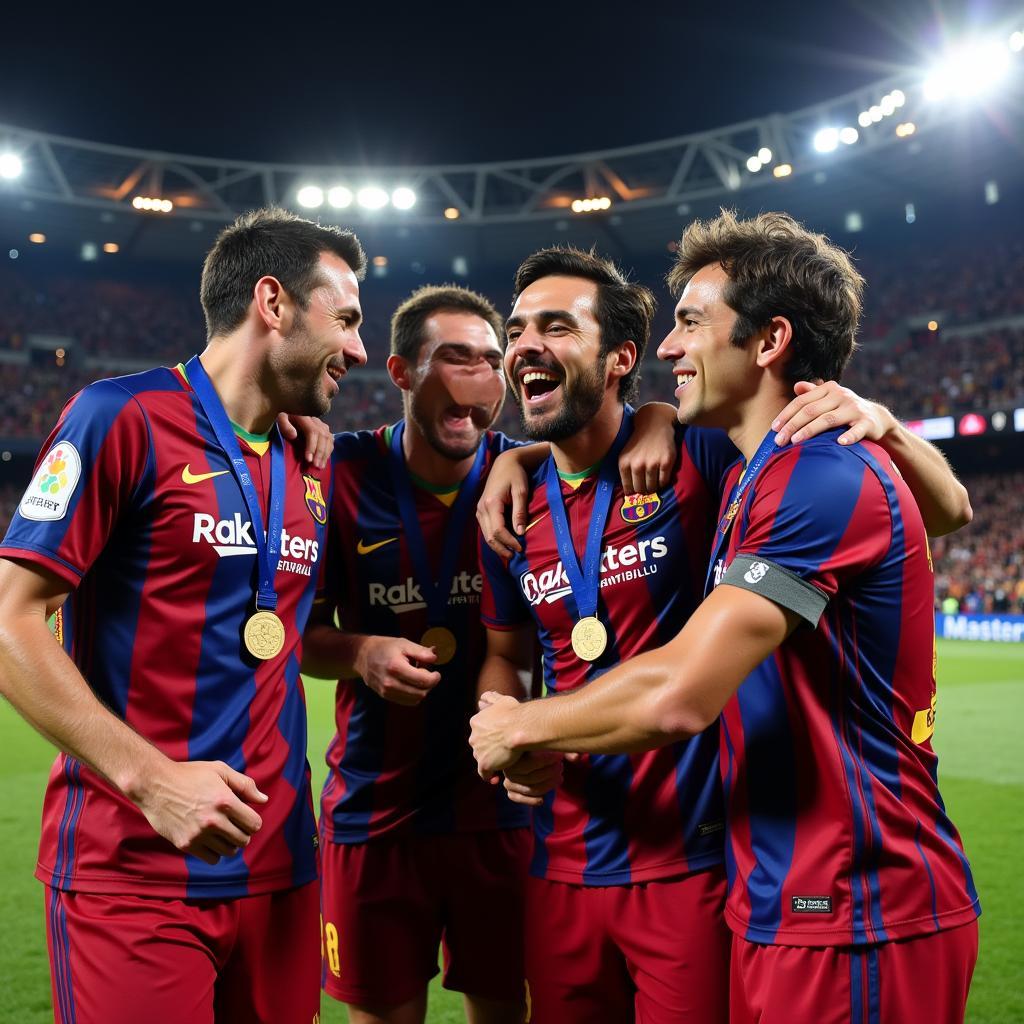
<point>388,904</point>
<point>919,979</point>
<point>654,952</point>
<point>125,959</point>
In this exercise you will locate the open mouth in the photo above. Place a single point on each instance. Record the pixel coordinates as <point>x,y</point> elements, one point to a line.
<point>334,375</point>
<point>683,377</point>
<point>537,385</point>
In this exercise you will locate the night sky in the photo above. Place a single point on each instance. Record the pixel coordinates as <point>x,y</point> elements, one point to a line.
<point>393,83</point>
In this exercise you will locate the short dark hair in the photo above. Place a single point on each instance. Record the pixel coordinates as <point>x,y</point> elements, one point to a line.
<point>408,320</point>
<point>624,309</point>
<point>777,267</point>
<point>270,242</point>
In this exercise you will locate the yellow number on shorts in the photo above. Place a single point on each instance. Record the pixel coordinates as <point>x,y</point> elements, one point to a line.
<point>329,947</point>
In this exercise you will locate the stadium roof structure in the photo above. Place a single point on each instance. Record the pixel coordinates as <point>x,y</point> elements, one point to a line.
<point>881,140</point>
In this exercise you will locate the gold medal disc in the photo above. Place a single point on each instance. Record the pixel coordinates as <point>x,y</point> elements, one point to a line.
<point>264,635</point>
<point>443,642</point>
<point>589,638</point>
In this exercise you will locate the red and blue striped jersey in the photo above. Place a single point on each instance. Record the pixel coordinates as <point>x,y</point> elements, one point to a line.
<point>397,770</point>
<point>836,830</point>
<point>133,504</point>
<point>620,819</point>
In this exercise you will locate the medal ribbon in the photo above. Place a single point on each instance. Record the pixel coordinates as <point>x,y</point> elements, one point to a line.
<point>585,583</point>
<point>435,591</point>
<point>268,543</point>
<point>764,452</point>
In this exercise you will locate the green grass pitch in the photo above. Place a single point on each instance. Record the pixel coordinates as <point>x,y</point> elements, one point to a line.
<point>981,703</point>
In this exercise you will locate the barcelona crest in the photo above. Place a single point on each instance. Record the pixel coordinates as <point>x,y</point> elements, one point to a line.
<point>315,499</point>
<point>636,508</point>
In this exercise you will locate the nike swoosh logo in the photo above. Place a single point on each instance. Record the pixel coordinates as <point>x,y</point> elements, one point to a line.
<point>365,549</point>
<point>188,477</point>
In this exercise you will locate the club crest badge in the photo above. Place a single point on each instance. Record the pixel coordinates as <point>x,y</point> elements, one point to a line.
<point>315,499</point>
<point>636,508</point>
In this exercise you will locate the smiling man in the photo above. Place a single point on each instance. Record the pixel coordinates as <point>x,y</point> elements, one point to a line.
<point>847,881</point>
<point>417,850</point>
<point>177,538</point>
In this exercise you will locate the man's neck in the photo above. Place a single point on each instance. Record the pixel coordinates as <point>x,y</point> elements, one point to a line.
<point>425,462</point>
<point>241,384</point>
<point>589,444</point>
<point>755,419</point>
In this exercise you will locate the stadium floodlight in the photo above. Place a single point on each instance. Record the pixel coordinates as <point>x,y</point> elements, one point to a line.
<point>906,129</point>
<point>339,197</point>
<point>111,247</point>
<point>451,213</point>
<point>991,192</point>
<point>875,113</point>
<point>848,135</point>
<point>910,213</point>
<point>754,164</point>
<point>898,97</point>
<point>1017,42</point>
<point>826,140</point>
<point>864,119</point>
<point>372,197</point>
<point>10,166</point>
<point>887,105</point>
<point>37,237</point>
<point>783,170</point>
<point>403,198</point>
<point>971,71</point>
<point>310,196</point>
<point>764,154</point>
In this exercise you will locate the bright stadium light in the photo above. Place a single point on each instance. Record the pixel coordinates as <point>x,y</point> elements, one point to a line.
<point>848,136</point>
<point>783,170</point>
<point>826,140</point>
<point>403,198</point>
<point>339,197</point>
<point>310,196</point>
<point>764,154</point>
<point>1017,42</point>
<point>10,166</point>
<point>898,98</point>
<point>372,197</point>
<point>887,105</point>
<point>754,164</point>
<point>970,71</point>
<point>875,113</point>
<point>864,119</point>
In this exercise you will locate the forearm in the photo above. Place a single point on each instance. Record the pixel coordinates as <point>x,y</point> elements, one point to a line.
<point>944,503</point>
<point>45,687</point>
<point>500,675</point>
<point>331,653</point>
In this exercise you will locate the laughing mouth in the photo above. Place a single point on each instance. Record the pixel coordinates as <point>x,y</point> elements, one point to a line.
<point>538,384</point>
<point>684,378</point>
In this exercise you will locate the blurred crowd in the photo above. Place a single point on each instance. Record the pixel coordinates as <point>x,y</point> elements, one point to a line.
<point>917,371</point>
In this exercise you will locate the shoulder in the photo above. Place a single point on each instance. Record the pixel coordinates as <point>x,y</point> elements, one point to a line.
<point>355,445</point>
<point>498,442</point>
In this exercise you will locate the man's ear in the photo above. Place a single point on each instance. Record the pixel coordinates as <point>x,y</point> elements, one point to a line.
<point>273,305</point>
<point>400,372</point>
<point>774,342</point>
<point>622,359</point>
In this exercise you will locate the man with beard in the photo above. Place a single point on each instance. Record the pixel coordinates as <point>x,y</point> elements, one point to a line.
<point>416,848</point>
<point>179,842</point>
<point>848,882</point>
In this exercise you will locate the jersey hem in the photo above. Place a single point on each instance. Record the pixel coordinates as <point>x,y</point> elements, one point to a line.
<point>504,627</point>
<point>341,838</point>
<point>913,928</point>
<point>176,889</point>
<point>654,873</point>
<point>43,556</point>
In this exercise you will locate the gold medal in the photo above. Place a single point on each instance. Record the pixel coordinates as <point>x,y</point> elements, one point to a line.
<point>443,642</point>
<point>264,635</point>
<point>589,638</point>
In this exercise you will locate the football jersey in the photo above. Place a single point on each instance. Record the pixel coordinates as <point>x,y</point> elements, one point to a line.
<point>837,833</point>
<point>396,769</point>
<point>134,505</point>
<point>619,819</point>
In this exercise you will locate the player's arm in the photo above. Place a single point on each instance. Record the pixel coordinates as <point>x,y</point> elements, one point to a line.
<point>201,807</point>
<point>391,666</point>
<point>645,466</point>
<point>944,503</point>
<point>506,673</point>
<point>663,695</point>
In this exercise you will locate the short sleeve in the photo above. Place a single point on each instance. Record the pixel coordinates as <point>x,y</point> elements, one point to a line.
<point>501,604</point>
<point>85,481</point>
<point>818,518</point>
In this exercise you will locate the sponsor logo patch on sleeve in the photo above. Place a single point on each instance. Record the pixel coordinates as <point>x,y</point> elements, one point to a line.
<point>53,485</point>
